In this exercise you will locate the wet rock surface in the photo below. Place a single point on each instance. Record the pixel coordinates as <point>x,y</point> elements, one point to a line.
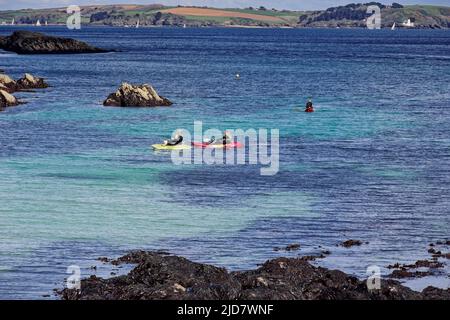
<point>7,83</point>
<point>428,267</point>
<point>351,243</point>
<point>129,95</point>
<point>8,86</point>
<point>161,276</point>
<point>27,42</point>
<point>291,247</point>
<point>29,82</point>
<point>7,100</point>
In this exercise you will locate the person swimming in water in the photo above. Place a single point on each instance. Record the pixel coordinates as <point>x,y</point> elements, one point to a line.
<point>174,141</point>
<point>309,106</point>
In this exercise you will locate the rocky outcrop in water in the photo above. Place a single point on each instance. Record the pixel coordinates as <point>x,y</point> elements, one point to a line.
<point>27,42</point>
<point>129,95</point>
<point>9,86</point>
<point>31,82</point>
<point>7,100</point>
<point>351,243</point>
<point>27,82</point>
<point>426,267</point>
<point>159,276</point>
<point>7,83</point>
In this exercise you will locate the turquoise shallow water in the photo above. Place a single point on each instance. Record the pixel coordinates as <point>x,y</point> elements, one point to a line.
<point>78,181</point>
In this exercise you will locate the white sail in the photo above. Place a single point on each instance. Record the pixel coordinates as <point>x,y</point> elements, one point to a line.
<point>13,22</point>
<point>137,24</point>
<point>46,23</point>
<point>393,26</point>
<point>38,23</point>
<point>184,26</point>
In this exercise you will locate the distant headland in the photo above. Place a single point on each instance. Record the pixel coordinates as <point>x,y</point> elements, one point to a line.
<point>353,15</point>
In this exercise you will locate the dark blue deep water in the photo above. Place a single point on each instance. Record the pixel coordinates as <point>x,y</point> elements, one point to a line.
<point>79,181</point>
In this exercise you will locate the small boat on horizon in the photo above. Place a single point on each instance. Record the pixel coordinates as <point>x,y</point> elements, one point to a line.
<point>393,26</point>
<point>13,22</point>
<point>408,24</point>
<point>137,24</point>
<point>38,23</point>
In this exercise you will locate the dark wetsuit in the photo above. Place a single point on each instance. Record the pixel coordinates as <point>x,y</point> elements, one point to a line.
<point>174,142</point>
<point>226,139</point>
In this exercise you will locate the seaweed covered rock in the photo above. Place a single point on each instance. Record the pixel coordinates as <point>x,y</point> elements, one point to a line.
<point>129,95</point>
<point>160,276</point>
<point>27,42</point>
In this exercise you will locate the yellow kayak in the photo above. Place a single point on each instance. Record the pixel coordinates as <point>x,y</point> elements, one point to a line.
<point>164,147</point>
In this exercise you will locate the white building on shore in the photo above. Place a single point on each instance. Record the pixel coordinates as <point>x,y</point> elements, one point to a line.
<point>408,24</point>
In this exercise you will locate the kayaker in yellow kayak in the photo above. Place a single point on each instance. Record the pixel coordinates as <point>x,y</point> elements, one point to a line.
<point>176,140</point>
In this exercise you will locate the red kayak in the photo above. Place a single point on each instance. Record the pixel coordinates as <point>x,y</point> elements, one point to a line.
<point>218,146</point>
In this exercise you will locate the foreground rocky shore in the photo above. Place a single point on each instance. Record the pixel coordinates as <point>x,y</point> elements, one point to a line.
<point>159,276</point>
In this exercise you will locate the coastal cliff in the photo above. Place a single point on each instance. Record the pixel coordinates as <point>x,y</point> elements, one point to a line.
<point>353,15</point>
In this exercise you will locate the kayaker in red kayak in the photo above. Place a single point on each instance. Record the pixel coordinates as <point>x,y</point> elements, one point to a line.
<point>226,139</point>
<point>309,106</point>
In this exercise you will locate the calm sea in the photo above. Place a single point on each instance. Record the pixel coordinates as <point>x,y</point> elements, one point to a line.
<point>79,181</point>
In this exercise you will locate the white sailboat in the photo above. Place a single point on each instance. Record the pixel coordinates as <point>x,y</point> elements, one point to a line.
<point>184,26</point>
<point>46,23</point>
<point>38,23</point>
<point>393,26</point>
<point>13,22</point>
<point>137,24</point>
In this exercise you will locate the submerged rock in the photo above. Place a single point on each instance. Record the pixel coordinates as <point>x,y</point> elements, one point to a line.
<point>27,42</point>
<point>291,247</point>
<point>403,273</point>
<point>351,243</point>
<point>129,95</point>
<point>158,276</point>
